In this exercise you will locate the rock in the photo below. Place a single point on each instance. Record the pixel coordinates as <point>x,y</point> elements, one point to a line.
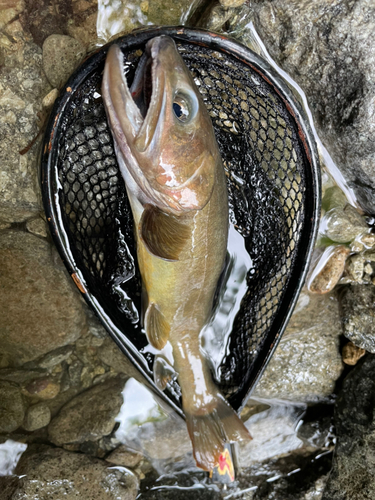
<point>37,226</point>
<point>125,457</point>
<point>55,357</point>
<point>358,315</point>
<point>12,407</point>
<point>307,362</point>
<point>42,388</point>
<point>282,419</point>
<point>22,85</point>
<point>111,355</point>
<point>352,476</point>
<point>61,55</point>
<point>360,268</point>
<point>21,377</point>
<point>343,225</point>
<point>231,3</point>
<point>37,416</point>
<point>90,415</point>
<point>44,473</point>
<point>328,48</point>
<point>48,313</point>
<point>351,354</point>
<point>328,269</point>
<point>50,98</point>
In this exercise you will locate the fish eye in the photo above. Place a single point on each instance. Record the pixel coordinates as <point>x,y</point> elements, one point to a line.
<point>184,107</point>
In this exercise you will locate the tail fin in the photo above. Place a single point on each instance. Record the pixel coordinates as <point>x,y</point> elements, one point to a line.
<point>209,432</point>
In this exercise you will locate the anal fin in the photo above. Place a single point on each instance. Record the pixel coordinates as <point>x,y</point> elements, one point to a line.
<point>157,327</point>
<point>163,234</point>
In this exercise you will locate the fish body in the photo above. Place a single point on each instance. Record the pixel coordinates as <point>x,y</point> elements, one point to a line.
<point>175,180</point>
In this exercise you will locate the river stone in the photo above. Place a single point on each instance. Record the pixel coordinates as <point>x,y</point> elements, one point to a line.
<point>353,472</point>
<point>37,416</point>
<point>307,362</point>
<point>90,415</point>
<point>328,48</point>
<point>12,407</point>
<point>40,307</point>
<point>44,473</point>
<point>61,55</point>
<point>22,87</point>
<point>358,307</point>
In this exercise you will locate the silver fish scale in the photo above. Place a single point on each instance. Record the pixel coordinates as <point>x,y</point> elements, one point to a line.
<point>264,165</point>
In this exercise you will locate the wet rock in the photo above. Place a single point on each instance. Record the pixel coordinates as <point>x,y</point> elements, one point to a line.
<point>231,3</point>
<point>307,362</point>
<point>351,354</point>
<point>125,457</point>
<point>48,313</point>
<point>343,225</point>
<point>50,98</point>
<point>352,476</point>
<point>360,268</point>
<point>37,416</point>
<point>45,473</point>
<point>329,49</point>
<point>12,407</point>
<point>21,377</point>
<point>22,85</point>
<point>61,55</point>
<point>328,269</point>
<point>282,419</point>
<point>358,307</point>
<point>90,415</point>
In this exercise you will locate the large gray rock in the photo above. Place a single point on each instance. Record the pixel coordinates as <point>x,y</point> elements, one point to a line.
<point>44,473</point>
<point>358,308</point>
<point>22,87</point>
<point>353,473</point>
<point>90,415</point>
<point>40,307</point>
<point>329,49</point>
<point>307,362</point>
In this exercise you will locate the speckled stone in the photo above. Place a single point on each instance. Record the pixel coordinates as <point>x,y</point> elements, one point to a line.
<point>37,417</point>
<point>61,55</point>
<point>48,313</point>
<point>307,362</point>
<point>329,49</point>
<point>351,354</point>
<point>44,473</point>
<point>328,269</point>
<point>90,415</point>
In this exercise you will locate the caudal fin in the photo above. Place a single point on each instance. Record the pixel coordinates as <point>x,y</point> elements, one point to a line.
<point>209,433</point>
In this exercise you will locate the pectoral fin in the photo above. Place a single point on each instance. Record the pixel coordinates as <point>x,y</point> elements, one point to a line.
<point>157,327</point>
<point>163,373</point>
<point>163,234</point>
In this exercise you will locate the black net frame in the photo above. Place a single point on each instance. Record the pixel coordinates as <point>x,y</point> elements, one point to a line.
<point>273,180</point>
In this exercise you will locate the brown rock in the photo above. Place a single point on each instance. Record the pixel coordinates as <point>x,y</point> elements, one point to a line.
<point>90,415</point>
<point>37,417</point>
<point>42,388</point>
<point>351,354</point>
<point>123,456</point>
<point>328,269</point>
<point>44,473</point>
<point>40,308</point>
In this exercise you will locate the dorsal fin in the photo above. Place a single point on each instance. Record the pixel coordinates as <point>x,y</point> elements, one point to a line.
<point>163,234</point>
<point>156,326</point>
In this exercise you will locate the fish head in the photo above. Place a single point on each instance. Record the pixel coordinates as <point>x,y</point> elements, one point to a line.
<point>161,128</point>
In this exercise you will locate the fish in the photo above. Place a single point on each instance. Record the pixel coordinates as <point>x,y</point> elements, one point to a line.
<point>175,181</point>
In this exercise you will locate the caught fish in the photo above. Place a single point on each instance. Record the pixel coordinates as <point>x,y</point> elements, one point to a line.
<point>169,158</point>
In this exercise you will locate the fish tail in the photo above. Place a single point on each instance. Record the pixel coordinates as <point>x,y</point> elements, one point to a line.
<point>210,431</point>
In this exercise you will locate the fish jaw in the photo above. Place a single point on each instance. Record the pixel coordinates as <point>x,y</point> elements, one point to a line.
<point>171,162</point>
